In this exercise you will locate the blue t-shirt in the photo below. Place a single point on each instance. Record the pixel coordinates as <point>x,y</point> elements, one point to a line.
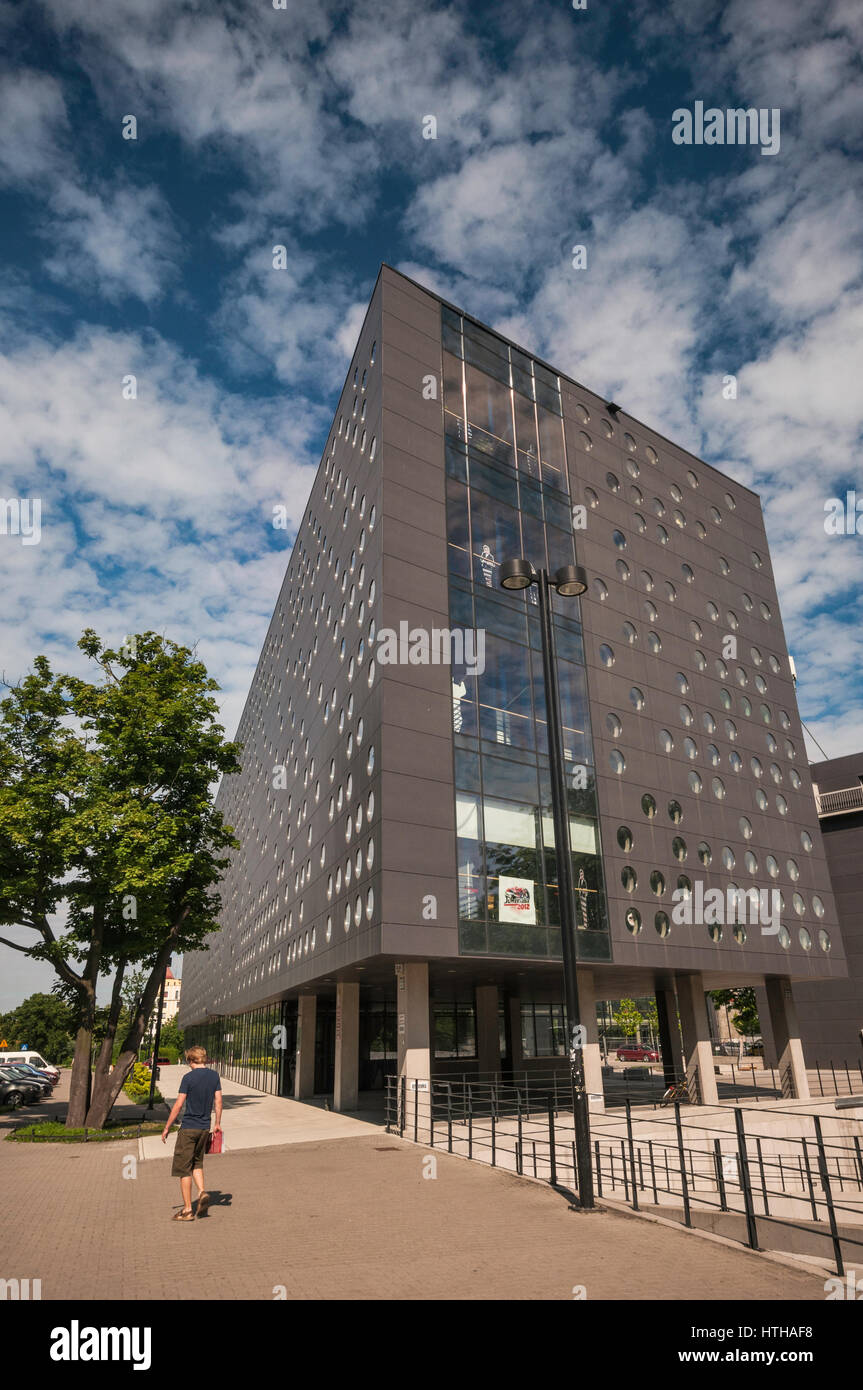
<point>199,1086</point>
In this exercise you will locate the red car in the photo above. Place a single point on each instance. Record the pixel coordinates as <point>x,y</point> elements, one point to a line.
<point>636,1053</point>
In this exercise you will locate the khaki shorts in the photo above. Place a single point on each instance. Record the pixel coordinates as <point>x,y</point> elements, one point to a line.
<point>189,1151</point>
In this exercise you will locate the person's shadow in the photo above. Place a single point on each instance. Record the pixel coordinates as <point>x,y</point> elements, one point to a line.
<point>217,1199</point>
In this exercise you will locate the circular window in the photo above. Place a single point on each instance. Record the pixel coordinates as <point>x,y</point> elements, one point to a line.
<point>700,660</point>
<point>657,883</point>
<point>772,866</point>
<point>798,903</point>
<point>781,805</point>
<point>662,924</point>
<point>784,938</point>
<point>630,633</point>
<point>617,761</point>
<point>755,764</point>
<point>761,800</point>
<point>713,755</point>
<point>612,483</point>
<point>745,828</point>
<point>728,859</point>
<point>600,589</point>
<point>629,879</point>
<point>647,580</point>
<point>824,940</point>
<point>623,570</point>
<point>624,838</point>
<point>606,655</point>
<point>619,539</point>
<point>804,938</point>
<point>718,787</point>
<point>695,783</point>
<point>661,534</point>
<point>714,931</point>
<point>613,725</point>
<point>666,742</point>
<point>675,812</point>
<point>648,805</point>
<point>705,854</point>
<point>633,921</point>
<point>690,748</point>
<point>654,643</point>
<point>636,697</point>
<point>751,862</point>
<point>806,841</point>
<point>678,848</point>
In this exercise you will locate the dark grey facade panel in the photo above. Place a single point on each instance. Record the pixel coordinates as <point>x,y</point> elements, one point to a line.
<point>290,857</point>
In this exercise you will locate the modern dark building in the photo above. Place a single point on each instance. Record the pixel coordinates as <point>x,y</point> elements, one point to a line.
<point>394,905</point>
<point>831,1011</point>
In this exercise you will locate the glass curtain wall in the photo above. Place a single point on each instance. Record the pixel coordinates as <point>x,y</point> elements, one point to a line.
<point>507,495</point>
<point>242,1047</point>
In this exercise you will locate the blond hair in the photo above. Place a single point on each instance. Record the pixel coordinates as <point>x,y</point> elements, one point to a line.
<point>196,1054</point>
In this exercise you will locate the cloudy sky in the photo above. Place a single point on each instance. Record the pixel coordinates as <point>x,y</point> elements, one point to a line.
<point>303,126</point>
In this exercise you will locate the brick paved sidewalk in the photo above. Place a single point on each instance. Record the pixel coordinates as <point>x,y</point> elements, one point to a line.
<point>352,1218</point>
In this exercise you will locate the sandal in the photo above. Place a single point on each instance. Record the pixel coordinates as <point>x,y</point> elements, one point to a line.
<point>203,1203</point>
<point>183,1215</point>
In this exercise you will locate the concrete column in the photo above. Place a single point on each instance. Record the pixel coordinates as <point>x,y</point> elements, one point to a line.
<point>697,1051</point>
<point>786,1036</point>
<point>414,1045</point>
<point>762,1004</point>
<point>487,1029</point>
<point>592,1052</point>
<point>347,1075</point>
<point>669,1034</point>
<point>304,1072</point>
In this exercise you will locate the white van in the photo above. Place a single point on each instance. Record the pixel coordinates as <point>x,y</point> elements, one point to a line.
<point>33,1059</point>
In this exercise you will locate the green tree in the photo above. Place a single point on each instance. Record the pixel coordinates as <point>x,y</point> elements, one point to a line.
<point>628,1018</point>
<point>45,1024</point>
<point>745,1009</point>
<point>172,1038</point>
<point>106,809</point>
<point>652,1019</point>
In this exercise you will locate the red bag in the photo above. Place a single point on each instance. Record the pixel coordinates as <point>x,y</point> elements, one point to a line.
<point>214,1143</point>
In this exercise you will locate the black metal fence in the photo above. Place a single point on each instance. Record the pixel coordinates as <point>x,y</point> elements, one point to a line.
<point>680,1161</point>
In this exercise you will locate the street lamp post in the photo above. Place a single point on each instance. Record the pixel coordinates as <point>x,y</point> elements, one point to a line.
<point>568,581</point>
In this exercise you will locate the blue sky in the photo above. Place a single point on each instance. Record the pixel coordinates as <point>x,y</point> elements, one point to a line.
<point>303,127</point>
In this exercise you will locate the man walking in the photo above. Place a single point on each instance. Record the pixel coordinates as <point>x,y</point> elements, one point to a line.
<point>200,1090</point>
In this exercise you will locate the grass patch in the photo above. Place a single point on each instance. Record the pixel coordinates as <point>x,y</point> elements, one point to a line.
<point>52,1132</point>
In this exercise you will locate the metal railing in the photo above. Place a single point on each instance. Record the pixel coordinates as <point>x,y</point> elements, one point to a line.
<point>680,1160</point>
<point>831,803</point>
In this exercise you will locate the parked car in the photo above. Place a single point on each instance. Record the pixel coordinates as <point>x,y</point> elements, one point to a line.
<point>31,1091</point>
<point>637,1053</point>
<point>12,1092</point>
<point>38,1078</point>
<point>32,1059</point>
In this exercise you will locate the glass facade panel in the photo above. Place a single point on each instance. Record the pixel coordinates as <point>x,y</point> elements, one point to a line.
<point>515,503</point>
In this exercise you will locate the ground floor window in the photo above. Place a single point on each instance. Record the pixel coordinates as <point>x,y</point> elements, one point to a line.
<point>454,1030</point>
<point>543,1030</point>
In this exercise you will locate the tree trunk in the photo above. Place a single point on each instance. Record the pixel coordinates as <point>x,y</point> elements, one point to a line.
<point>103,1061</point>
<point>108,1086</point>
<point>79,1086</point>
<point>81,1083</point>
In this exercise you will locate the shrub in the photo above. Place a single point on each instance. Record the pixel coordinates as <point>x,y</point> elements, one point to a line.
<point>137,1084</point>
